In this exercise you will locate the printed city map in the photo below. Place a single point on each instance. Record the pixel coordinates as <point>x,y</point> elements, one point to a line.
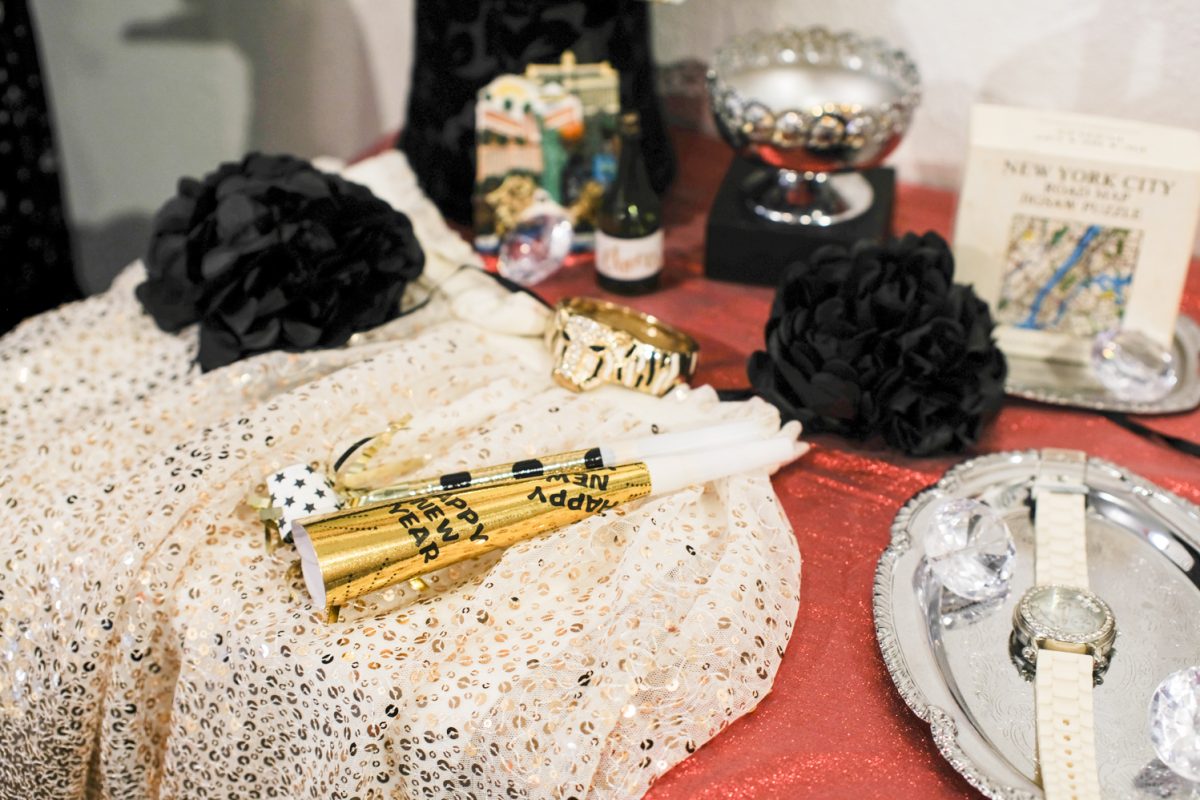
<point>1066,277</point>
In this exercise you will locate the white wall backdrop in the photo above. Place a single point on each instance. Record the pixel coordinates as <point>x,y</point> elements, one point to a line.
<point>144,91</point>
<point>1138,59</point>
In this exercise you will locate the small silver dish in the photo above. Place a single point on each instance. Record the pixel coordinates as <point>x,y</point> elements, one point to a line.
<point>952,664</point>
<point>808,105</point>
<point>1065,384</point>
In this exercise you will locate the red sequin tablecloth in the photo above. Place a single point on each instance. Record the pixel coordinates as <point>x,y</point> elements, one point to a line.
<point>834,726</point>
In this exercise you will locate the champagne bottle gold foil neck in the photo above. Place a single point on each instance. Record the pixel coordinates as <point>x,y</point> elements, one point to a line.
<point>365,549</point>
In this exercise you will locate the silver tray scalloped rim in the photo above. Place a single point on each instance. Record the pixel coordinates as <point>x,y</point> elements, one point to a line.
<point>951,663</point>
<point>1073,385</point>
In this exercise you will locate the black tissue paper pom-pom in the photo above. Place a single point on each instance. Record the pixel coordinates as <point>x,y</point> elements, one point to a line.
<point>878,338</point>
<point>272,254</point>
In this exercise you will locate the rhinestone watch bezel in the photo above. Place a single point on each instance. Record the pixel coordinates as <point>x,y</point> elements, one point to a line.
<point>1030,635</point>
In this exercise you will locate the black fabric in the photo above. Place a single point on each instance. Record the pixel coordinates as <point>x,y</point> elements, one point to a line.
<point>735,395</point>
<point>35,252</point>
<point>462,46</point>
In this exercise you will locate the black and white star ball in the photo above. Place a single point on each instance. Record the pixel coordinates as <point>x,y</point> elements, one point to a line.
<point>300,491</point>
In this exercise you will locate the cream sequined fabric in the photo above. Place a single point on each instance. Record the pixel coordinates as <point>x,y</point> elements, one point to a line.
<point>150,647</point>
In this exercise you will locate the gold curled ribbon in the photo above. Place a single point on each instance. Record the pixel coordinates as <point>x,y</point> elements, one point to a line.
<point>353,473</point>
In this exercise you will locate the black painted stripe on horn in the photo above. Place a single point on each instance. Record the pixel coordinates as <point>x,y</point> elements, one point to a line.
<point>531,468</point>
<point>455,480</point>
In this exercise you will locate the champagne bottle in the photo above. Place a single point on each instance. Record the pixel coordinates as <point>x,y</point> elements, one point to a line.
<point>629,237</point>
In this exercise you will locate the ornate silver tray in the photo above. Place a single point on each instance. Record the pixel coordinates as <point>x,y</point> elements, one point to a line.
<point>1073,385</point>
<point>951,663</point>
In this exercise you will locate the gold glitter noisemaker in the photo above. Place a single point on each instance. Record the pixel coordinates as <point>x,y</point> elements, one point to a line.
<point>353,552</point>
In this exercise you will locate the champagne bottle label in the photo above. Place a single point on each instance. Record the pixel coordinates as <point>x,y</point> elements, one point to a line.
<point>629,259</point>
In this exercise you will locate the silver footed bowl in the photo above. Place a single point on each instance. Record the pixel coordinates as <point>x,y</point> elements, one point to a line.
<point>808,103</point>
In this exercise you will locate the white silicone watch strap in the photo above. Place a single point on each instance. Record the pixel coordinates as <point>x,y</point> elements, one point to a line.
<point>1060,523</point>
<point>1066,734</point>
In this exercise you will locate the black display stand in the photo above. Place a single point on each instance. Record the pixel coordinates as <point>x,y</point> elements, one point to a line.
<point>744,248</point>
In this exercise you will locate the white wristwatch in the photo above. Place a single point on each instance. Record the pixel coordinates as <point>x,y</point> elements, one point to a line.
<point>1062,632</point>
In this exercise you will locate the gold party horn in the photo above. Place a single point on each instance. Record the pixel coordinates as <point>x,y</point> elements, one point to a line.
<point>353,552</point>
<point>350,553</point>
<point>609,454</point>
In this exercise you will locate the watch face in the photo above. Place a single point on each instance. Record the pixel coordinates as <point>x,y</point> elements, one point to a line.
<point>1065,614</point>
<point>1066,610</point>
<point>1062,618</point>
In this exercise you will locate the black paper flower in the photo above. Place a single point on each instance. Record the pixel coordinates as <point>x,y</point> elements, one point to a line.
<point>879,339</point>
<point>272,254</point>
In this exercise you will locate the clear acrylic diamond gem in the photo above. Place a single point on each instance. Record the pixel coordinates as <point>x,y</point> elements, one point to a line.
<point>1132,366</point>
<point>1175,722</point>
<point>536,246</point>
<point>970,549</point>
